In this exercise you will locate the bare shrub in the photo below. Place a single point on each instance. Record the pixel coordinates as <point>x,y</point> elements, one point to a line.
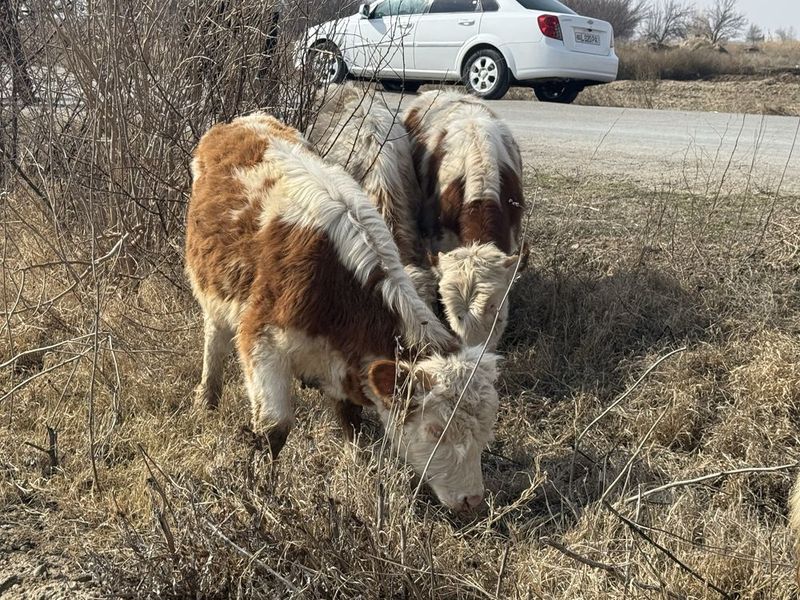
<point>681,64</point>
<point>666,21</point>
<point>754,35</point>
<point>786,34</point>
<point>125,92</point>
<point>721,22</point>
<point>624,15</point>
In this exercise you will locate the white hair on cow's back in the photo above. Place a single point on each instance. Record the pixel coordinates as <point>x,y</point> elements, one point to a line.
<point>310,193</point>
<point>355,130</point>
<point>476,142</point>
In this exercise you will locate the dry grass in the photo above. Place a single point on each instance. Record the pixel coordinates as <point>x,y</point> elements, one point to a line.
<point>697,60</point>
<point>112,484</point>
<point>778,95</point>
<point>182,504</point>
<point>702,78</point>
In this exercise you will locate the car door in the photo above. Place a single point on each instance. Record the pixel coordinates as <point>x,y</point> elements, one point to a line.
<point>388,37</point>
<point>440,35</point>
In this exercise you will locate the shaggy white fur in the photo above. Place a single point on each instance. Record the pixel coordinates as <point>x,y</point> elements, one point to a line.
<point>356,131</point>
<point>454,472</point>
<point>311,193</point>
<point>473,280</point>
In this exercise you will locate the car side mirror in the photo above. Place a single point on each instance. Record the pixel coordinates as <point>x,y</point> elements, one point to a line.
<point>363,10</point>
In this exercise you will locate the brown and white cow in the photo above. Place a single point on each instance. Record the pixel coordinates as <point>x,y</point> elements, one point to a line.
<point>471,171</point>
<point>354,129</point>
<point>286,254</point>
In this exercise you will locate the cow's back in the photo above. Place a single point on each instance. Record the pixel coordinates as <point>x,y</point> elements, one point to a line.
<point>471,169</point>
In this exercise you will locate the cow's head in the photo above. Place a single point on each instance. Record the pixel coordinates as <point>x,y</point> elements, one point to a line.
<point>472,282</point>
<point>416,401</point>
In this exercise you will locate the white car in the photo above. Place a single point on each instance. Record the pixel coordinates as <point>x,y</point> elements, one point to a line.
<point>489,45</point>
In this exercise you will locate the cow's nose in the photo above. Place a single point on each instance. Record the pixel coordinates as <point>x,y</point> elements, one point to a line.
<point>472,501</point>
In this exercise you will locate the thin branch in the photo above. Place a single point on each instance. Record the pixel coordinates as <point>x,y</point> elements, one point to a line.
<point>250,556</point>
<point>674,484</point>
<point>627,392</point>
<point>638,531</point>
<point>612,570</point>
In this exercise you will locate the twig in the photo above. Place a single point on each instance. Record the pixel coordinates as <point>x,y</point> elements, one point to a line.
<point>627,392</point>
<point>674,484</point>
<point>614,404</point>
<point>629,463</point>
<point>502,571</point>
<point>43,349</point>
<point>22,384</point>
<point>615,572</point>
<point>250,556</point>
<point>638,531</point>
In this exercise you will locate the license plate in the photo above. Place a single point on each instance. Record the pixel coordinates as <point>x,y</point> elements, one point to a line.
<point>592,39</point>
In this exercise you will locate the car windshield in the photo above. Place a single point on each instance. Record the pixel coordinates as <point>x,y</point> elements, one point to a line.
<point>546,6</point>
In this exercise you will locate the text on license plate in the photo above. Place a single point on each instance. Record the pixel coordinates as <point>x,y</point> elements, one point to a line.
<point>587,38</point>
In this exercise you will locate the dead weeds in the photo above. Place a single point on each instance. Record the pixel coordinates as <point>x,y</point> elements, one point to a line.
<point>154,498</point>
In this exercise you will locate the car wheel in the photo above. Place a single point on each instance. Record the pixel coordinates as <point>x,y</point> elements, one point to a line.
<point>394,85</point>
<point>486,74</point>
<point>327,62</point>
<point>556,91</point>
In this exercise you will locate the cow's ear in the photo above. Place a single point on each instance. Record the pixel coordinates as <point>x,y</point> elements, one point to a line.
<point>382,376</point>
<point>425,380</point>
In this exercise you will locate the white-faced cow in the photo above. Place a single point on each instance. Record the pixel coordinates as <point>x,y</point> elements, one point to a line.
<point>471,172</point>
<point>286,254</point>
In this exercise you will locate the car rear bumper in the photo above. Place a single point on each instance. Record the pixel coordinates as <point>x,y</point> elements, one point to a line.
<point>551,60</point>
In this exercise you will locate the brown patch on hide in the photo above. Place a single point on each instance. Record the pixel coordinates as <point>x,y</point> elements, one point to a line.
<point>486,220</point>
<point>222,219</point>
<point>300,284</point>
<point>483,222</point>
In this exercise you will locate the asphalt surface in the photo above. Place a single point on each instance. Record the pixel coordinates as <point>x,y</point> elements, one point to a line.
<point>655,146</point>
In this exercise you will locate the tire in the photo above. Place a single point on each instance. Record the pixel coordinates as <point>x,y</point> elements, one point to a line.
<point>486,74</point>
<point>556,91</point>
<point>326,58</point>
<point>395,85</point>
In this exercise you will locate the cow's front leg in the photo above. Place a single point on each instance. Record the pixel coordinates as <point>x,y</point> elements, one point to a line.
<point>269,385</point>
<point>349,416</point>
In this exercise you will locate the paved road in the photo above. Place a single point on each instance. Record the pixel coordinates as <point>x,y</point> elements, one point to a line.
<point>655,146</point>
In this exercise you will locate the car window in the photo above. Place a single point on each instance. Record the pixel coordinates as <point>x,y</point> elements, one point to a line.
<point>489,6</point>
<point>546,5</point>
<point>392,8</point>
<point>454,6</point>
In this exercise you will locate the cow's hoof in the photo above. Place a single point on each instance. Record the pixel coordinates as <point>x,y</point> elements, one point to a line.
<point>262,440</point>
<point>276,440</point>
<point>205,398</point>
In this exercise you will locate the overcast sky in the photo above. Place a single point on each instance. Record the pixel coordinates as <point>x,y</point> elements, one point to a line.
<point>769,14</point>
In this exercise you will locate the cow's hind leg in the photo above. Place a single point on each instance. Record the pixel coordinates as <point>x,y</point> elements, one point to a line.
<point>269,384</point>
<point>217,347</point>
